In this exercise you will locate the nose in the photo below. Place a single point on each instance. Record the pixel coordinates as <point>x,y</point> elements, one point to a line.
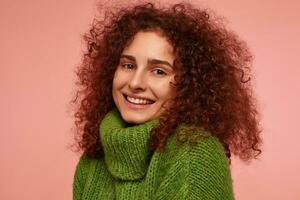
<point>137,81</point>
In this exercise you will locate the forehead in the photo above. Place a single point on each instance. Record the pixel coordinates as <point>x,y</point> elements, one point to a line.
<point>150,45</point>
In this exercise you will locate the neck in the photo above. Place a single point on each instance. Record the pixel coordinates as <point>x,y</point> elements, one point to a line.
<point>125,146</point>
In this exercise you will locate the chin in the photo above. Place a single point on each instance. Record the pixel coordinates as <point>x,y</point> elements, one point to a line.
<point>133,118</point>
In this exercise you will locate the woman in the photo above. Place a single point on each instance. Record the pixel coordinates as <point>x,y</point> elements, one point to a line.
<point>163,102</point>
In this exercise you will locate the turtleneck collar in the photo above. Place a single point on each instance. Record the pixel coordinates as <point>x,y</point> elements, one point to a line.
<point>125,147</point>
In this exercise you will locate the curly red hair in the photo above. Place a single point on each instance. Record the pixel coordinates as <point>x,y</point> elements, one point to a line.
<point>213,83</point>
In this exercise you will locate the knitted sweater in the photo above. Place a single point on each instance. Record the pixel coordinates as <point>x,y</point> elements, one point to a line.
<point>129,171</point>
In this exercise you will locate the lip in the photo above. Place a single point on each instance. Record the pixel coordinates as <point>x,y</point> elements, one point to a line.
<point>138,97</point>
<point>135,106</point>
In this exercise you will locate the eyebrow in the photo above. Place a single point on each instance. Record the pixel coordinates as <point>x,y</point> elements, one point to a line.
<point>150,61</point>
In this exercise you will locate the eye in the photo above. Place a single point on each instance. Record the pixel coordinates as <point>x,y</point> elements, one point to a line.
<point>160,72</point>
<point>127,65</point>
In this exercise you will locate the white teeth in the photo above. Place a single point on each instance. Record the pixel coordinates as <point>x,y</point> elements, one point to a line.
<point>137,101</point>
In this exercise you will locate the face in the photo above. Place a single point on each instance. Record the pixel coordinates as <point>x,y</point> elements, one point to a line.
<point>141,84</point>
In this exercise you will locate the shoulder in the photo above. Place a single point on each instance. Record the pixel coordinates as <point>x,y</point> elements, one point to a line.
<point>86,162</point>
<point>195,169</point>
<point>196,149</point>
<point>88,167</point>
<point>197,143</point>
<point>204,166</point>
<point>82,167</point>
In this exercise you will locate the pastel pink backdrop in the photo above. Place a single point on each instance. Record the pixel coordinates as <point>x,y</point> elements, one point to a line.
<point>40,46</point>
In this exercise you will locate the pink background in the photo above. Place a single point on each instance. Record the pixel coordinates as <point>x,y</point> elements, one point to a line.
<point>40,46</point>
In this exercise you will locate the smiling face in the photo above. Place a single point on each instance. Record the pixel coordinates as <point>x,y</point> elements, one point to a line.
<point>142,79</point>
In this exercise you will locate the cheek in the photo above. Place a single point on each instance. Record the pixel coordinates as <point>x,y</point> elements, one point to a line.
<point>165,90</point>
<point>118,80</point>
<point>116,85</point>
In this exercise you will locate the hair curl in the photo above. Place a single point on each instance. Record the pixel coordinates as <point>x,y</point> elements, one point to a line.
<point>213,93</point>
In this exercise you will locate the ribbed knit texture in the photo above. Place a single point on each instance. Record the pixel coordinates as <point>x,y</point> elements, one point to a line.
<point>128,171</point>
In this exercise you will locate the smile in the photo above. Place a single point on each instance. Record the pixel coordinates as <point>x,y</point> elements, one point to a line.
<point>138,101</point>
<point>135,103</point>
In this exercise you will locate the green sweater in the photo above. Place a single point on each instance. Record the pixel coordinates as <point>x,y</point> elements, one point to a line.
<point>129,171</point>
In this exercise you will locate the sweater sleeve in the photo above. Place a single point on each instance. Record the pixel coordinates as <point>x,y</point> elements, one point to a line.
<point>209,172</point>
<point>80,177</point>
<point>199,172</point>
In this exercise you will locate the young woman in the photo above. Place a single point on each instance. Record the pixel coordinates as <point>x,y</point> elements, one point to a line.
<point>164,99</point>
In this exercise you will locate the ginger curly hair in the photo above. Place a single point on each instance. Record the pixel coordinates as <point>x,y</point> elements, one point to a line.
<point>213,83</point>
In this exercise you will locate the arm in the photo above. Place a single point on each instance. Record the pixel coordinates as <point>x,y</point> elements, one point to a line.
<point>209,174</point>
<point>80,177</point>
<point>199,172</point>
